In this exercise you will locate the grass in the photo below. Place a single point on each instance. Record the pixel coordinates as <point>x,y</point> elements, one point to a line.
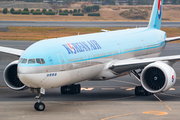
<point>40,33</point>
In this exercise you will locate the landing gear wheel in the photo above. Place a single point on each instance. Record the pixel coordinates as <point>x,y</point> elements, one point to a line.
<point>63,90</point>
<point>140,91</point>
<point>39,106</point>
<point>79,88</point>
<point>71,89</point>
<point>137,90</point>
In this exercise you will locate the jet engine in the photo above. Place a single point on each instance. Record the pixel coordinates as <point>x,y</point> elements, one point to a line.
<point>158,77</point>
<point>11,77</point>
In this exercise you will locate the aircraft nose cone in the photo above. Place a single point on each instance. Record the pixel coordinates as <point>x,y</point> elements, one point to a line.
<point>21,70</point>
<point>26,77</point>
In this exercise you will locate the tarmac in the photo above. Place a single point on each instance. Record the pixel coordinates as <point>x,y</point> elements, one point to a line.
<point>98,100</point>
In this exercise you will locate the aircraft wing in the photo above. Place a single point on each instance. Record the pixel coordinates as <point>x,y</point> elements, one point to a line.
<point>132,64</point>
<point>172,39</point>
<point>12,51</point>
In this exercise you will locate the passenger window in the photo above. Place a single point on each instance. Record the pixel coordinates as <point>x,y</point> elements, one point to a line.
<point>31,61</point>
<point>38,61</point>
<point>42,60</point>
<point>24,61</point>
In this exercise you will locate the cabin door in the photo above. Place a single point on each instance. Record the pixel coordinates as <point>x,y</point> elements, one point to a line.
<point>62,62</point>
<point>120,51</point>
<point>88,57</point>
<point>144,47</point>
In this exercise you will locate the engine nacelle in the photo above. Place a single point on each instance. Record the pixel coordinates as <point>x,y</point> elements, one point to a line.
<point>158,77</point>
<point>11,77</point>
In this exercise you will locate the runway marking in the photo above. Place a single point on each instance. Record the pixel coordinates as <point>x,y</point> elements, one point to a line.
<point>130,89</point>
<point>157,113</point>
<point>117,116</point>
<point>3,87</point>
<point>87,89</point>
<point>125,82</point>
<point>124,87</point>
<point>172,89</point>
<point>107,88</point>
<point>170,95</point>
<point>162,102</point>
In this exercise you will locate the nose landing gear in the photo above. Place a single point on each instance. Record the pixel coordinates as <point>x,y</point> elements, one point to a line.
<point>39,106</point>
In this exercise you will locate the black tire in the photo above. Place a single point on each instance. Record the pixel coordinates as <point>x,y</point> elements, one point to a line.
<point>63,90</point>
<point>76,88</point>
<point>140,91</point>
<point>148,93</point>
<point>73,89</point>
<point>39,106</point>
<point>79,88</point>
<point>137,90</point>
<point>36,106</point>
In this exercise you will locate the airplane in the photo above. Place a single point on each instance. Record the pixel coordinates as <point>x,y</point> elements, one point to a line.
<point>63,62</point>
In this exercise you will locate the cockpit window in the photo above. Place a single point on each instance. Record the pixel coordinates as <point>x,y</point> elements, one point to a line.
<point>42,60</point>
<point>24,61</point>
<point>31,61</point>
<point>38,60</point>
<point>20,60</point>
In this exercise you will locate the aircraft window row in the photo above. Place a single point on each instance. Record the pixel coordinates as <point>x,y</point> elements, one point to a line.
<point>73,60</point>
<point>115,52</point>
<point>99,55</point>
<point>32,61</point>
<point>132,49</point>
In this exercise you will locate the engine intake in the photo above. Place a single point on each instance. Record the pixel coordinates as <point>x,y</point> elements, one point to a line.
<point>11,78</point>
<point>158,77</point>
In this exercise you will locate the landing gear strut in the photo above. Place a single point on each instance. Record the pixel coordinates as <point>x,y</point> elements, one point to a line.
<point>71,89</point>
<point>140,91</point>
<point>39,106</point>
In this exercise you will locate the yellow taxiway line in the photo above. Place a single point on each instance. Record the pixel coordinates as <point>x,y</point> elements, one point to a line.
<point>117,116</point>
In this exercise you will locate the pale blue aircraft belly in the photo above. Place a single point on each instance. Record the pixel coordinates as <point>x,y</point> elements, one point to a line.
<point>94,46</point>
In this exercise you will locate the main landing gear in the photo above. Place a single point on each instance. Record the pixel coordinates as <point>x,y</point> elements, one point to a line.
<point>139,90</point>
<point>71,89</point>
<point>39,106</point>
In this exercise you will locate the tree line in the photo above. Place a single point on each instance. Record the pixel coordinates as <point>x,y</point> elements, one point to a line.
<point>75,12</point>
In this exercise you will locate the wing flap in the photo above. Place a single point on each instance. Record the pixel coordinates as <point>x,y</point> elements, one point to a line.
<point>11,51</point>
